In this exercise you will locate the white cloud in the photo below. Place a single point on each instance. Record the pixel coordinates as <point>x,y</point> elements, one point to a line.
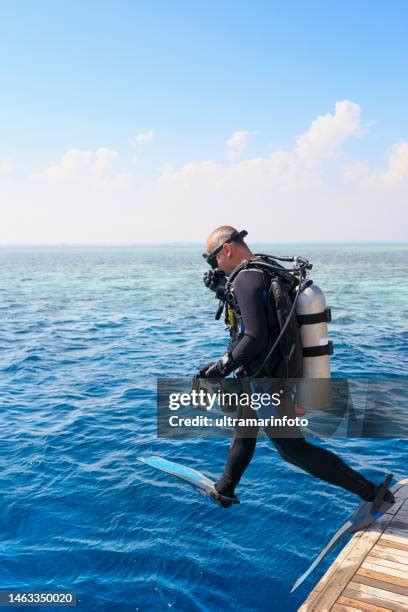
<point>284,169</point>
<point>356,172</point>
<point>79,165</point>
<point>289,195</point>
<point>145,136</point>
<point>397,171</point>
<point>396,174</point>
<point>142,137</point>
<point>138,143</point>
<point>238,142</point>
<point>328,132</point>
<point>6,167</point>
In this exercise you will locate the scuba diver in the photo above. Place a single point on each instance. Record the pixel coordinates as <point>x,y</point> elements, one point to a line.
<point>259,296</point>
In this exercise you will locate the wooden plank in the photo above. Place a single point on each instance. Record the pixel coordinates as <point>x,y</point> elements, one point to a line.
<point>384,586</point>
<point>400,500</point>
<point>400,517</point>
<point>387,556</point>
<point>340,608</point>
<point>398,523</point>
<point>398,532</point>
<point>401,514</point>
<point>395,538</point>
<point>382,522</point>
<point>373,600</point>
<point>391,571</point>
<point>400,505</point>
<point>361,605</point>
<point>391,554</point>
<point>401,493</point>
<point>396,507</point>
<point>400,508</point>
<point>375,595</point>
<point>402,567</point>
<point>392,579</point>
<point>388,561</point>
<point>383,544</point>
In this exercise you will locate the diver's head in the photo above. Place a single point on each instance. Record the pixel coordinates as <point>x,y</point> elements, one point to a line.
<point>226,249</point>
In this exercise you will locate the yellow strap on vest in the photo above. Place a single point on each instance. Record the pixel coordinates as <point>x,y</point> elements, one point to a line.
<point>231,318</point>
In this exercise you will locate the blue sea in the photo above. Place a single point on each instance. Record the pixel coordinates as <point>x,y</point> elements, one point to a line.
<point>84,333</point>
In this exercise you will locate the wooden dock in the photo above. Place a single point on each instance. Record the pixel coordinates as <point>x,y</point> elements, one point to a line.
<point>371,572</point>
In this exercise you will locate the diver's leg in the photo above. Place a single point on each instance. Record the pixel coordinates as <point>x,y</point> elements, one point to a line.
<point>239,456</point>
<point>314,459</point>
<point>241,451</point>
<point>326,465</point>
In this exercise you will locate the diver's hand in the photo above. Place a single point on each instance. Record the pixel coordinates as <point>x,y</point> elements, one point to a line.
<point>216,281</point>
<point>202,371</point>
<point>212,370</point>
<point>219,369</point>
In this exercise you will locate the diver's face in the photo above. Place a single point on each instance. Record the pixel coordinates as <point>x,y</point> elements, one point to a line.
<point>228,257</point>
<point>224,260</point>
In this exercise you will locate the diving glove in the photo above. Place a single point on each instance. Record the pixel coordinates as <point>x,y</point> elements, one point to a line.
<point>202,371</point>
<point>216,280</point>
<point>218,369</point>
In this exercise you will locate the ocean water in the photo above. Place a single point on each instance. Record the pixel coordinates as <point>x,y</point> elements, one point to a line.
<point>84,333</point>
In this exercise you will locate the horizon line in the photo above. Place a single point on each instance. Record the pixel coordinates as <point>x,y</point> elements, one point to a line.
<point>179,243</point>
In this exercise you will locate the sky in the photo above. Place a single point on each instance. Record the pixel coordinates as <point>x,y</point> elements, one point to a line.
<point>138,122</point>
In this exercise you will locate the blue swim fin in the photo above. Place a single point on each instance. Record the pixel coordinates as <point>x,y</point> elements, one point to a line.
<point>194,478</point>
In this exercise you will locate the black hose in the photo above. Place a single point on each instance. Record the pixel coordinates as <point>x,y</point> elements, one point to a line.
<point>288,320</point>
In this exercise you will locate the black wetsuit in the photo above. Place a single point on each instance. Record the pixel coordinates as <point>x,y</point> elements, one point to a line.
<point>251,339</point>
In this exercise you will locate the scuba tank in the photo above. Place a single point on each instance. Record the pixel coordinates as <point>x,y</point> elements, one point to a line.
<point>314,389</point>
<point>313,317</point>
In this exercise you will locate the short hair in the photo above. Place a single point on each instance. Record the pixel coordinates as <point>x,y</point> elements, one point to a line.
<point>221,234</point>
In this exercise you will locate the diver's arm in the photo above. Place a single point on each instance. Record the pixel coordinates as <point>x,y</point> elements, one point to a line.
<point>251,296</point>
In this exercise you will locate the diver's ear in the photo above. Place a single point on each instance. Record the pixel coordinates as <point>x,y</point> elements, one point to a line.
<point>227,248</point>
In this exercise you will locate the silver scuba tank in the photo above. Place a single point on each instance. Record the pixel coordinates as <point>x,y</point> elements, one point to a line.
<point>314,390</point>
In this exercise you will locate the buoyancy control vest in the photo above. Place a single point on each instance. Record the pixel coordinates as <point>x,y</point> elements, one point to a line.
<point>297,320</point>
<point>287,359</point>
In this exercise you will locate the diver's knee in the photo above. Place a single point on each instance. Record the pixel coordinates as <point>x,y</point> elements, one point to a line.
<point>289,448</point>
